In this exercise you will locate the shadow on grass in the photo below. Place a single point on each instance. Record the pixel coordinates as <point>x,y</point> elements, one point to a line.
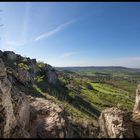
<point>62,93</point>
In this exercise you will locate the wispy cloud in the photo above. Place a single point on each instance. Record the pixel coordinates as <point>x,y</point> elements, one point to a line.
<point>68,54</point>
<point>26,18</point>
<point>54,31</point>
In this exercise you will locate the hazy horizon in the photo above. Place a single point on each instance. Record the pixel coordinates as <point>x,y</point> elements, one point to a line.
<point>69,34</point>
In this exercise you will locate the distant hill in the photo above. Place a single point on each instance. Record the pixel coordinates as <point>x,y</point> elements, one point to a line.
<point>99,68</point>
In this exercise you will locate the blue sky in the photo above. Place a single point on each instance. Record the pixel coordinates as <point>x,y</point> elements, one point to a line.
<point>73,33</point>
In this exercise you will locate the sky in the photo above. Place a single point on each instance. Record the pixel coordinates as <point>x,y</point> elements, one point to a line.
<point>73,33</point>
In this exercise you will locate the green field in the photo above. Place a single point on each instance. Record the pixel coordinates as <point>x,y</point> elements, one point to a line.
<point>105,95</point>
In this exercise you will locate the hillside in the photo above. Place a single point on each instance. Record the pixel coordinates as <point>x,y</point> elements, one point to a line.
<point>58,104</point>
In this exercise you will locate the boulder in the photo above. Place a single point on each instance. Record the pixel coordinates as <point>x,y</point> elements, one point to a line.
<point>137,101</point>
<point>136,114</point>
<point>52,77</point>
<point>23,76</point>
<point>33,67</point>
<point>49,119</point>
<point>50,73</point>
<point>115,123</point>
<point>10,55</point>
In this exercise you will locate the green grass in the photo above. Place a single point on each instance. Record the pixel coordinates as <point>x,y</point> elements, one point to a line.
<point>108,89</point>
<point>92,97</point>
<point>39,78</point>
<point>105,95</point>
<point>37,89</point>
<point>75,114</point>
<point>125,85</point>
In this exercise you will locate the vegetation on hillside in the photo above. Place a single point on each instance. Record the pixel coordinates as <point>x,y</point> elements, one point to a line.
<point>83,94</point>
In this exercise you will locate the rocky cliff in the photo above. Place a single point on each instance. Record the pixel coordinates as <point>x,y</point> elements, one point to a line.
<point>24,114</point>
<point>13,106</point>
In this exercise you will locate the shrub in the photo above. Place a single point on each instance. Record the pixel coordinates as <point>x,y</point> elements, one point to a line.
<point>23,66</point>
<point>39,79</point>
<point>41,64</point>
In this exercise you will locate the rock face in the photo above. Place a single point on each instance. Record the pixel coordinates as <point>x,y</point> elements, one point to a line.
<point>51,74</point>
<point>7,118</point>
<point>49,121</point>
<point>136,114</point>
<point>12,107</point>
<point>10,55</point>
<point>23,76</point>
<point>115,123</point>
<point>33,66</point>
<point>137,101</point>
<point>2,69</point>
<point>33,117</point>
<point>52,77</point>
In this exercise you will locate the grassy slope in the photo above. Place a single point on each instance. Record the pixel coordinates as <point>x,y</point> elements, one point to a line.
<point>41,86</point>
<point>106,95</point>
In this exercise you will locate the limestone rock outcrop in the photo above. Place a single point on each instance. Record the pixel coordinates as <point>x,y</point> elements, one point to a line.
<point>23,116</point>
<point>136,114</point>
<point>12,107</point>
<point>137,101</point>
<point>51,74</point>
<point>10,55</point>
<point>49,119</point>
<point>23,76</point>
<point>115,123</point>
<point>52,77</point>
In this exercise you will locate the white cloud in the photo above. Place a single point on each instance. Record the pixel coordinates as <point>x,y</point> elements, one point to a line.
<point>67,54</point>
<point>54,31</point>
